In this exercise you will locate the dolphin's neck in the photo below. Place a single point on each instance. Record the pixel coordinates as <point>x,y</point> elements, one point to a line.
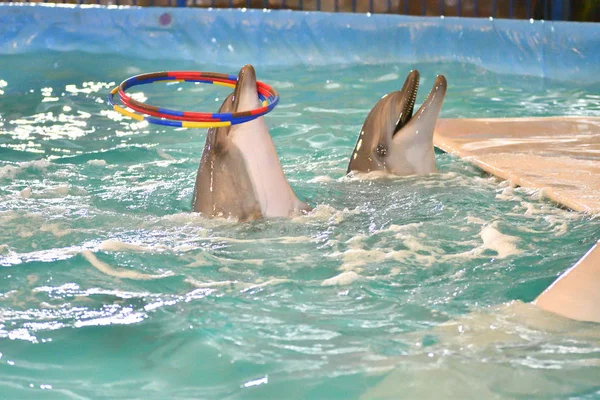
<point>272,190</point>
<point>420,155</point>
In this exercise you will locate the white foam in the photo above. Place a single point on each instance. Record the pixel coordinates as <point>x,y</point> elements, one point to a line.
<point>369,176</point>
<point>504,245</point>
<point>321,179</point>
<point>475,220</point>
<point>119,273</point>
<point>441,180</point>
<point>11,171</point>
<point>355,241</point>
<point>324,213</point>
<point>24,232</point>
<point>561,229</point>
<point>97,163</point>
<point>25,193</point>
<point>526,229</point>
<point>117,245</point>
<point>199,284</point>
<point>57,191</point>
<point>62,191</point>
<point>41,255</point>
<point>40,165</point>
<point>402,228</point>
<point>184,248</point>
<point>539,194</point>
<point>529,209</point>
<point>197,220</point>
<point>354,258</point>
<point>55,229</point>
<point>230,240</point>
<point>279,239</point>
<point>404,256</point>
<point>414,245</point>
<point>508,194</point>
<point>417,251</point>
<point>245,286</point>
<point>343,279</point>
<point>8,171</point>
<point>548,211</point>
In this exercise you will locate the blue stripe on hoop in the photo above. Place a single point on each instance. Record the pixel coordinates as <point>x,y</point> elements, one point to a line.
<point>241,120</point>
<point>151,80</point>
<point>170,112</point>
<point>129,82</point>
<point>166,122</point>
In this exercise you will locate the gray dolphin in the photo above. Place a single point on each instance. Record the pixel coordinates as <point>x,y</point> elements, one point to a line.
<point>394,140</point>
<point>240,175</point>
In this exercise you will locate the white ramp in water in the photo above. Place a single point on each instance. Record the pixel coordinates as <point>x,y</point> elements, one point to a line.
<point>558,155</point>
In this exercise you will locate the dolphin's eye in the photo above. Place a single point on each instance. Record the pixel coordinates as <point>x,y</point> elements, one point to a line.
<point>381,150</point>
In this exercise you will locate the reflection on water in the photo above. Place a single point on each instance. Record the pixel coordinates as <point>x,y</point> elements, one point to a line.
<point>111,288</point>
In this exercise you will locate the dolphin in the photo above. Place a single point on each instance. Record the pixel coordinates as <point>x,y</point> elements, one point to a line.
<point>240,176</point>
<point>395,141</point>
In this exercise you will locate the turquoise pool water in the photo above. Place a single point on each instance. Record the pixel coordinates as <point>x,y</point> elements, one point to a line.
<point>404,288</point>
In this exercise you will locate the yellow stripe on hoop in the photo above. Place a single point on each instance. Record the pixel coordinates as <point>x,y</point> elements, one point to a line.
<point>229,85</point>
<point>190,124</point>
<point>128,113</point>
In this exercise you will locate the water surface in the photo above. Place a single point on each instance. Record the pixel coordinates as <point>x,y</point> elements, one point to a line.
<point>111,288</point>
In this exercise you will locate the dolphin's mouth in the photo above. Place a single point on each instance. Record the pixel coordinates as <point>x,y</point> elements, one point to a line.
<point>409,96</point>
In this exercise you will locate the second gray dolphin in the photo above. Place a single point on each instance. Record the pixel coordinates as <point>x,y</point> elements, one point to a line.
<point>394,140</point>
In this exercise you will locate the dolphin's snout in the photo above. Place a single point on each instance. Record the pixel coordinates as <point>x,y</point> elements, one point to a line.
<point>247,70</point>
<point>440,84</point>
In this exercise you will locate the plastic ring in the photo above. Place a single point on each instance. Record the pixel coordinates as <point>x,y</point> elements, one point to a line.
<point>189,119</point>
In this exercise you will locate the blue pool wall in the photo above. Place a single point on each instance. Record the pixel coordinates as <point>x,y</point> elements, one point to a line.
<point>230,37</point>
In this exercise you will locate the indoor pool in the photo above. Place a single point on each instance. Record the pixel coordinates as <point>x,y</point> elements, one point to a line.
<point>412,287</point>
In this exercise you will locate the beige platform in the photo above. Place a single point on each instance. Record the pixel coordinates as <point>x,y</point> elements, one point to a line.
<point>558,155</point>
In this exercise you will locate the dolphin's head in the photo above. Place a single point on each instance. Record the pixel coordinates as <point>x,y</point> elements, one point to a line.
<point>245,94</point>
<point>240,175</point>
<point>395,140</point>
<point>243,98</point>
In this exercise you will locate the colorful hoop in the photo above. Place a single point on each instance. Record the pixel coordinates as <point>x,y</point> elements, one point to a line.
<point>189,119</point>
